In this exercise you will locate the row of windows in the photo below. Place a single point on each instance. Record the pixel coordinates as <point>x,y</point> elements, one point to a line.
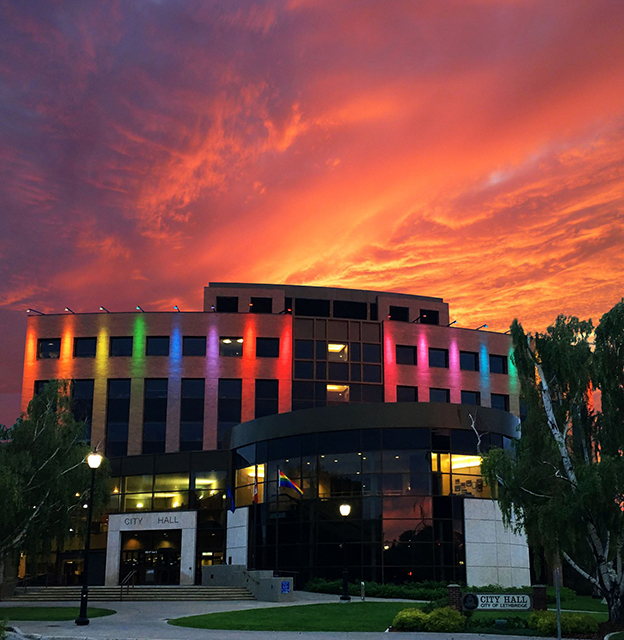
<point>410,394</point>
<point>439,358</point>
<point>122,346</point>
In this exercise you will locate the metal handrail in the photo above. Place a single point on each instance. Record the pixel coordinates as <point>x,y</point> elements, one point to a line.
<point>131,577</point>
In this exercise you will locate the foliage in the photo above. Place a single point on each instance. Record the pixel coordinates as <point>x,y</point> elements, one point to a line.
<point>565,595</point>
<point>3,629</point>
<point>428,590</point>
<point>483,622</point>
<point>439,603</point>
<point>564,479</point>
<point>578,624</point>
<point>44,480</point>
<point>445,620</point>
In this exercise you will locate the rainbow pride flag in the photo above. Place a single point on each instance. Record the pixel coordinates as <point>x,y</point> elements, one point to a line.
<point>285,481</point>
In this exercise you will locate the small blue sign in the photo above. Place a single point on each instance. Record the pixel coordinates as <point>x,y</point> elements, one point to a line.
<point>285,586</point>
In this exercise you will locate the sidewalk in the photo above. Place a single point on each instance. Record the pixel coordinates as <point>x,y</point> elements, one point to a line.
<point>148,621</point>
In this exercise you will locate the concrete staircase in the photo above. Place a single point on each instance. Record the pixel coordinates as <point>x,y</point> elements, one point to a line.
<point>137,593</point>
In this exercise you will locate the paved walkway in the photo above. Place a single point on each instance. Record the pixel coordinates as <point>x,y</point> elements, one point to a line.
<point>148,621</point>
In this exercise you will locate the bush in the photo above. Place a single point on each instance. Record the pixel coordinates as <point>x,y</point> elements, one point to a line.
<point>513,622</point>
<point>410,620</point>
<point>578,624</point>
<point>3,629</point>
<point>411,591</point>
<point>566,594</point>
<point>436,604</point>
<point>445,620</point>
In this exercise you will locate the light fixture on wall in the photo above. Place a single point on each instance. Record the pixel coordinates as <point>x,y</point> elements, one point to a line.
<point>69,311</point>
<point>451,323</point>
<point>483,326</point>
<point>30,310</point>
<point>104,309</point>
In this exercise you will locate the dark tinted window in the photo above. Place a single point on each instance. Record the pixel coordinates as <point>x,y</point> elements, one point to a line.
<point>406,438</point>
<point>40,386</point>
<point>231,347</point>
<point>304,349</point>
<point>85,347</point>
<point>500,401</point>
<point>227,304</point>
<point>192,414</point>
<point>372,393</point>
<point>155,415</point>
<point>49,348</point>
<point>468,361</point>
<point>406,354</point>
<point>194,346</point>
<point>117,417</point>
<point>267,398</point>
<point>371,373</point>
<point>303,390</point>
<point>356,351</point>
<point>347,309</point>
<point>157,346</point>
<point>407,394</point>
<point>304,369</point>
<point>429,316</point>
<point>401,314</point>
<point>463,441</point>
<point>439,395</point>
<point>311,307</point>
<point>371,353</point>
<point>338,371</point>
<point>121,346</point>
<point>498,364</point>
<point>267,347</point>
<point>470,397</point>
<point>373,311</point>
<point>229,407</point>
<point>438,358</point>
<point>82,398</point>
<point>261,305</point>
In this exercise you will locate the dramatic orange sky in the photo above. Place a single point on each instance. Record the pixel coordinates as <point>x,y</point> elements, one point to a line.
<point>472,150</point>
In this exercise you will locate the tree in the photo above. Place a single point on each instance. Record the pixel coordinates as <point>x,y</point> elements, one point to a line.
<point>44,479</point>
<point>564,479</point>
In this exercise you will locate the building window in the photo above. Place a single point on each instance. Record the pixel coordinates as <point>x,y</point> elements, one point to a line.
<point>231,347</point>
<point>121,346</point>
<point>82,401</point>
<point>406,354</point>
<point>468,361</point>
<point>194,346</point>
<point>227,304</point>
<point>429,316</point>
<point>117,417</point>
<point>348,309</point>
<point>192,414</point>
<point>439,358</point>
<point>500,401</point>
<point>229,406</point>
<point>374,312</point>
<point>470,397</point>
<point>49,348</point>
<point>439,395</point>
<point>304,349</point>
<point>261,305</point>
<point>85,347</point>
<point>157,346</point>
<point>338,371</point>
<point>336,351</point>
<point>267,347</point>
<point>400,314</point>
<point>498,364</point>
<point>407,394</point>
<point>40,386</point>
<point>304,370</point>
<point>371,353</point>
<point>155,415</point>
<point>267,398</point>
<point>312,307</point>
<point>371,373</point>
<point>337,393</point>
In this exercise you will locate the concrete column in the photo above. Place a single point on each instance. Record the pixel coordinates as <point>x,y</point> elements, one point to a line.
<point>188,556</point>
<point>113,556</point>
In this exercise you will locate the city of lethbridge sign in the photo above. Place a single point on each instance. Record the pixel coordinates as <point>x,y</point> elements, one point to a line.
<point>496,602</point>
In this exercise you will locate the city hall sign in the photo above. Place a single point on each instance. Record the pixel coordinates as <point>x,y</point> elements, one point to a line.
<point>496,602</point>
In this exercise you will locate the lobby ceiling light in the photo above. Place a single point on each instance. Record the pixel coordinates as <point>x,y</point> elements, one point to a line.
<point>226,341</point>
<point>335,347</point>
<point>240,341</point>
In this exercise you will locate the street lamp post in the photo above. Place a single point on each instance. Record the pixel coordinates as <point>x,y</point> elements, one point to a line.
<point>345,510</point>
<point>94,460</point>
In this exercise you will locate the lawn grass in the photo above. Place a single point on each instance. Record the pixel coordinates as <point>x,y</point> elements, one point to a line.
<point>49,614</point>
<point>582,603</point>
<point>354,616</point>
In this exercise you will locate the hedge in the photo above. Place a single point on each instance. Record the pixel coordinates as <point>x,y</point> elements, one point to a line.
<point>444,620</point>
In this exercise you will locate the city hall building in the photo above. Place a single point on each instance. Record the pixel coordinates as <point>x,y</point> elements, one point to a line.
<point>366,399</point>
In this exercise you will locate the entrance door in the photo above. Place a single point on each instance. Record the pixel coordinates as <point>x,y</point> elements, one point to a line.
<point>154,555</point>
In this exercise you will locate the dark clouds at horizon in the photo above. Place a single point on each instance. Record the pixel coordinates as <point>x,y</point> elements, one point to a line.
<point>470,150</point>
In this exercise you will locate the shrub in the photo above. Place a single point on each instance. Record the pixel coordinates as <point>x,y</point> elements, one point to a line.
<point>412,591</point>
<point>545,623</point>
<point>565,593</point>
<point>410,620</point>
<point>3,629</point>
<point>437,604</point>
<point>445,620</point>
<point>513,622</point>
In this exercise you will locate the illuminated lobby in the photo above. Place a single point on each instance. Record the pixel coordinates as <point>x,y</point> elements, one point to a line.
<point>360,397</point>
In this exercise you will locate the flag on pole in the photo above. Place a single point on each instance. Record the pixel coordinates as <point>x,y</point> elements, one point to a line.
<point>255,490</point>
<point>230,497</point>
<point>285,481</point>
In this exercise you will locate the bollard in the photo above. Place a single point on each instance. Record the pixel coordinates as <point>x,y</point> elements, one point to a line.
<point>362,591</point>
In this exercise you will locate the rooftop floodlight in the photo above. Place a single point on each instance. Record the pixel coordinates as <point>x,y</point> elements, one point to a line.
<point>508,331</point>
<point>70,311</point>
<point>285,310</point>
<point>417,319</point>
<point>483,326</point>
<point>140,309</point>
<point>104,309</point>
<point>451,323</point>
<point>212,307</point>
<point>30,310</point>
<point>175,306</point>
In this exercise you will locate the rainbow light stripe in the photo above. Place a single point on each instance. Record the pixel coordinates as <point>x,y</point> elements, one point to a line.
<point>285,481</point>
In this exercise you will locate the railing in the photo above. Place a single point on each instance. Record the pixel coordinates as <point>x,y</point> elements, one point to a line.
<point>126,583</point>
